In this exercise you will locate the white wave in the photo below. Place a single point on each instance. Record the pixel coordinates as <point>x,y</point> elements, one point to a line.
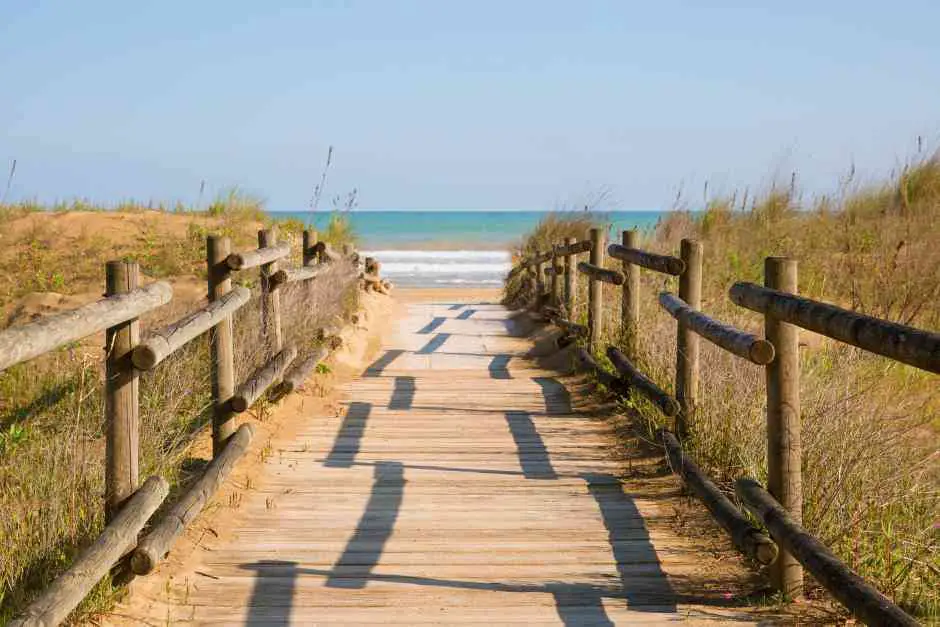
<point>395,268</point>
<point>429,268</point>
<point>387,256</point>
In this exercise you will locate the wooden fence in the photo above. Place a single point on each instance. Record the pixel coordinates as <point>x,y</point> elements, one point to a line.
<point>129,504</point>
<point>789,548</point>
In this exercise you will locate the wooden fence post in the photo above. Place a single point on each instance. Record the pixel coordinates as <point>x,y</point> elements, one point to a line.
<point>270,297</point>
<point>784,475</point>
<point>309,241</point>
<point>539,283</point>
<point>630,306</point>
<point>571,281</point>
<point>221,344</point>
<point>595,292</point>
<point>121,394</point>
<point>687,346</point>
<point>556,282</point>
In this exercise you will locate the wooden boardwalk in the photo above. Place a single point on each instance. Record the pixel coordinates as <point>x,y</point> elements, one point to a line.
<point>461,484</point>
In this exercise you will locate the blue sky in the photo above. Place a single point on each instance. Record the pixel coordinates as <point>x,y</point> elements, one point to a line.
<point>436,104</point>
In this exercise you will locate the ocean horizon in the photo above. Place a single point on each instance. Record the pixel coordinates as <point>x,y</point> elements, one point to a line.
<point>451,248</point>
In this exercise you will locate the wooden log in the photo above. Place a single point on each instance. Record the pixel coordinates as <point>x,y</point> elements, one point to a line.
<point>69,589</point>
<point>746,537</point>
<point>571,328</point>
<point>784,471</point>
<point>121,392</point>
<point>297,375</point>
<point>572,247</point>
<point>326,253</point>
<point>571,278</point>
<point>270,298</point>
<point>595,289</point>
<point>252,389</point>
<point>639,381</point>
<point>687,344</point>
<point>164,342</point>
<point>308,252</point>
<point>860,597</point>
<point>596,273</point>
<point>221,343</point>
<point>277,279</point>
<point>19,344</point>
<point>388,285</point>
<point>651,261</point>
<point>906,344</point>
<point>587,362</point>
<point>304,274</point>
<point>164,532</point>
<point>740,343</point>
<point>254,258</point>
<point>630,299</point>
<point>372,266</point>
<point>554,271</point>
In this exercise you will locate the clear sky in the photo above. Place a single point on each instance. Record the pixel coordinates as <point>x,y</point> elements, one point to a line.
<point>437,104</point>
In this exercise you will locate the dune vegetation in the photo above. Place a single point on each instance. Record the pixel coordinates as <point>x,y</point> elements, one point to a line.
<point>871,427</point>
<point>51,408</point>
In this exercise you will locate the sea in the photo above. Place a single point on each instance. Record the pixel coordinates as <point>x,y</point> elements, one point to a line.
<point>451,248</point>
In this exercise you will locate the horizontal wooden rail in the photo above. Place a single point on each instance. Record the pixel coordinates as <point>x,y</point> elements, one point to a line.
<point>565,250</point>
<point>587,361</point>
<point>257,257</point>
<point>65,593</point>
<point>746,345</point>
<point>326,252</point>
<point>636,379</point>
<point>571,328</point>
<point>906,344</point>
<point>861,598</point>
<point>304,274</point>
<point>296,376</point>
<point>600,274</point>
<point>164,342</point>
<point>19,344</point>
<point>746,537</point>
<point>651,261</point>
<point>158,541</point>
<point>252,389</point>
<point>554,270</point>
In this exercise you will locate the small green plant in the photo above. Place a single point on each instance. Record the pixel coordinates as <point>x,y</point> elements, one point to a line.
<point>323,368</point>
<point>14,435</point>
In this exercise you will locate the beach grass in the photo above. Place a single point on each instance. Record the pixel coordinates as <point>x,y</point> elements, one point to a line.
<point>871,427</point>
<point>51,408</point>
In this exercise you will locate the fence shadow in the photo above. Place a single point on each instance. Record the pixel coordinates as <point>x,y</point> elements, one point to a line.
<point>431,326</point>
<point>557,398</point>
<point>533,456</point>
<point>621,518</point>
<point>499,367</point>
<point>465,315</point>
<point>272,596</point>
<point>435,343</point>
<point>403,394</point>
<point>377,367</point>
<point>349,438</point>
<point>364,549</point>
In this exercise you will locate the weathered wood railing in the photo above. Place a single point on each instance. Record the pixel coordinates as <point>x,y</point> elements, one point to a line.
<point>128,504</point>
<point>780,508</point>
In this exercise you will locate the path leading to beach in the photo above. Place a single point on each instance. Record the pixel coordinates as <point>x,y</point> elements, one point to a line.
<point>461,482</point>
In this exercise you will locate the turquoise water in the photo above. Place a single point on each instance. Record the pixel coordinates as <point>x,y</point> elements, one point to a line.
<point>455,230</point>
<point>452,248</point>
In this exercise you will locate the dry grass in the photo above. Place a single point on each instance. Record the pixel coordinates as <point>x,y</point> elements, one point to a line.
<point>871,467</point>
<point>51,409</point>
